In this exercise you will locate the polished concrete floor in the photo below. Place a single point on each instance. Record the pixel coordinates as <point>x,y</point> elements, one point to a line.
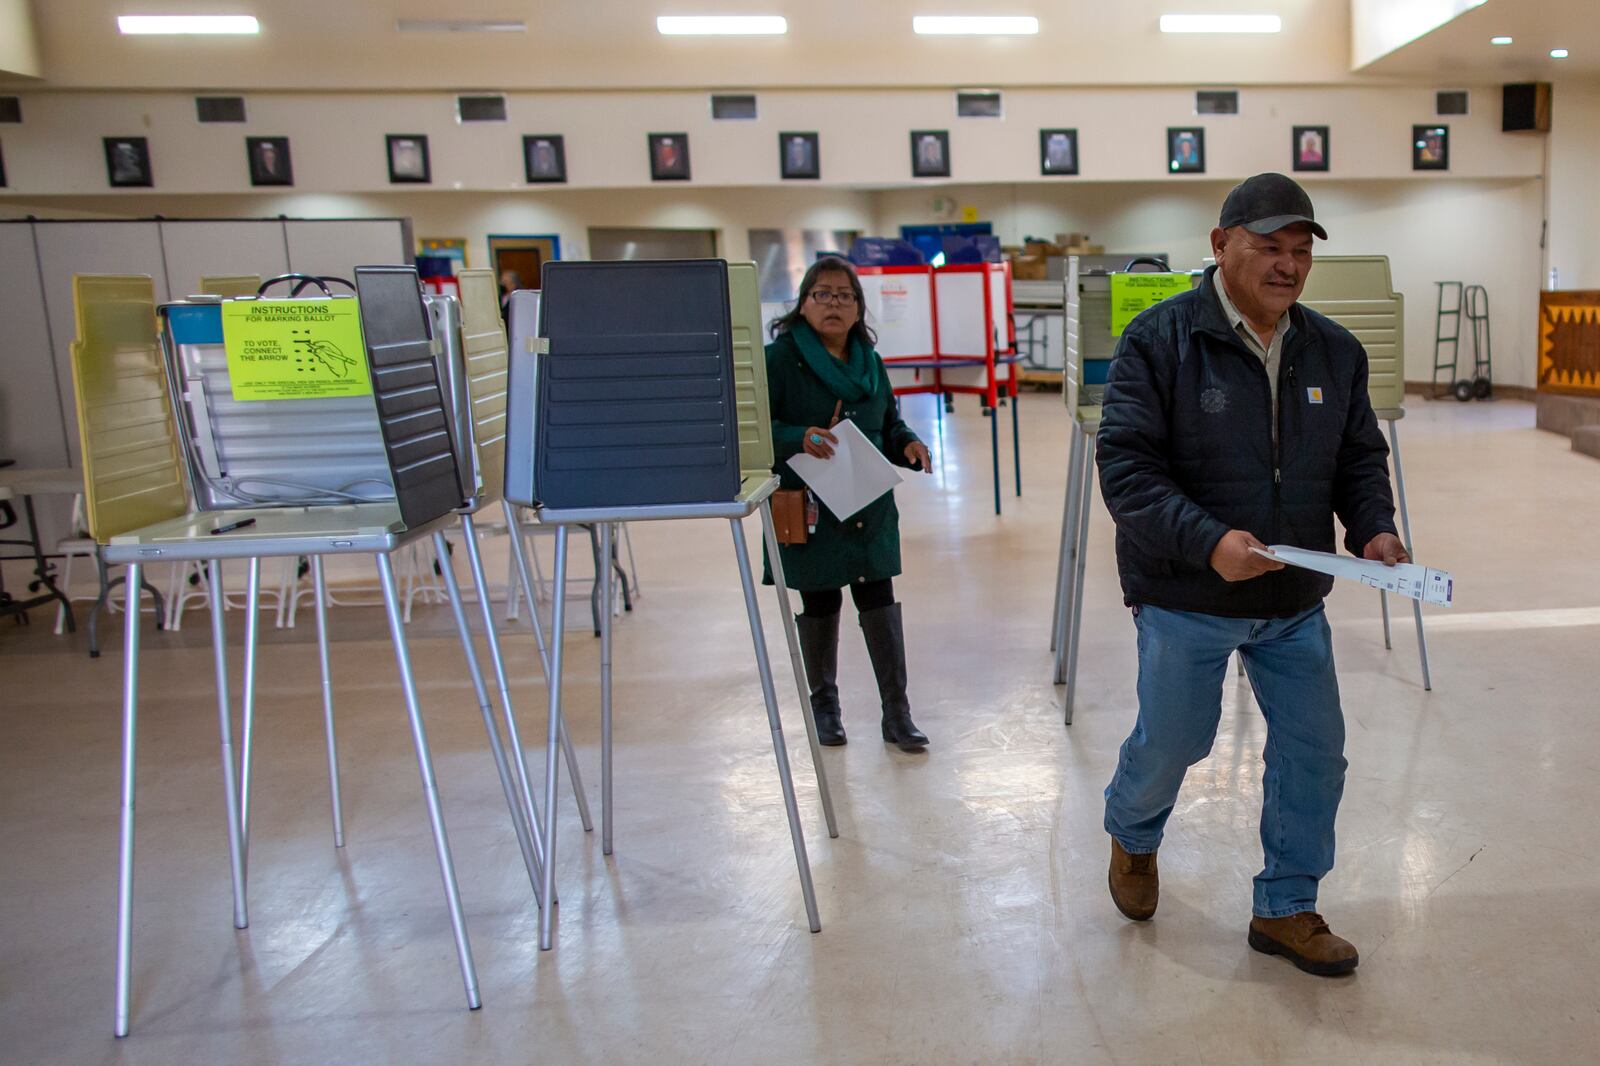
<point>965,917</point>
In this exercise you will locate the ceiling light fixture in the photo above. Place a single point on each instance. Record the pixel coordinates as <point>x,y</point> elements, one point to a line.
<point>1499,40</point>
<point>187,24</point>
<point>722,25</point>
<point>1558,53</point>
<point>461,26</point>
<point>974,25</point>
<point>1221,24</point>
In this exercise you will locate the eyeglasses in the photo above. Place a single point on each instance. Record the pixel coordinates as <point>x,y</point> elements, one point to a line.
<point>828,299</point>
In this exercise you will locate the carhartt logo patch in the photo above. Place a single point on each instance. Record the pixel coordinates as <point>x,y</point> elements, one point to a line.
<point>1313,395</point>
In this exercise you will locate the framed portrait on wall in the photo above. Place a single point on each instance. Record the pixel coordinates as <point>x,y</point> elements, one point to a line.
<point>128,162</point>
<point>1430,147</point>
<point>1310,147</point>
<point>544,158</point>
<point>1186,150</point>
<point>269,160</point>
<point>1058,152</point>
<point>930,153</point>
<point>669,157</point>
<point>408,159</point>
<point>799,156</point>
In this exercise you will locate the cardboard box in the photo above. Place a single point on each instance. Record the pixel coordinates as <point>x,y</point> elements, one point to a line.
<point>1071,240</point>
<point>1029,268</point>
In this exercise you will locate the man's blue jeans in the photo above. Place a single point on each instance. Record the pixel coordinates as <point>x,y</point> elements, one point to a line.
<point>1183,658</point>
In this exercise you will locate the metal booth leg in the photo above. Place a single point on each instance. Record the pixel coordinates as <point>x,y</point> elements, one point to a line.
<point>1016,441</point>
<point>994,446</point>
<point>430,787</point>
<point>793,639</point>
<point>497,661</point>
<point>526,578</point>
<point>1065,556</point>
<point>1405,528</point>
<point>130,716</point>
<point>603,572</point>
<point>770,695</point>
<point>552,765</point>
<point>247,726</point>
<point>1075,626</point>
<point>230,781</point>
<point>1388,636</point>
<point>320,588</point>
<point>497,750</point>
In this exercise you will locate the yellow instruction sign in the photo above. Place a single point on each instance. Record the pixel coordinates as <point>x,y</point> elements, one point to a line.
<point>294,349</point>
<point>1132,293</point>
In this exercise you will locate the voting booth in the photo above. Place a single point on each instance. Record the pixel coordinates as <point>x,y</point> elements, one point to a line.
<point>627,402</point>
<point>946,331</point>
<point>1099,306</point>
<point>1354,291</point>
<point>310,425</point>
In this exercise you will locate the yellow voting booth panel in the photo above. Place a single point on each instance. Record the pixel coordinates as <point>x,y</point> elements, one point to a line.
<point>483,340</point>
<point>132,476</point>
<point>1355,291</point>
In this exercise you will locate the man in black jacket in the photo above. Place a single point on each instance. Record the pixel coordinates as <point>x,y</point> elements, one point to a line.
<point>1235,418</point>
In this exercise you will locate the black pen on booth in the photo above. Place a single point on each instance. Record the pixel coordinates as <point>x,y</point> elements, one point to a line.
<point>231,526</point>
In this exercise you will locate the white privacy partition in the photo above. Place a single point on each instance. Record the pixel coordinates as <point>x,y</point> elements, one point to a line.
<point>900,310</point>
<point>220,248</point>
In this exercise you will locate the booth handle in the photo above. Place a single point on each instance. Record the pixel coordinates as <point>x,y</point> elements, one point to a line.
<point>1146,260</point>
<point>303,280</point>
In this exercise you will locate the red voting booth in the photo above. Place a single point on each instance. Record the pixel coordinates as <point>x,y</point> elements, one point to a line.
<point>948,330</point>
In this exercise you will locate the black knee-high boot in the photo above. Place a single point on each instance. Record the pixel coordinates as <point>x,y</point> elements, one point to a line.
<point>886,645</point>
<point>819,648</point>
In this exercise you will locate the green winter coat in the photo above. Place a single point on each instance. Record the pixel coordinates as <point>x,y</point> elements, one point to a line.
<point>866,547</point>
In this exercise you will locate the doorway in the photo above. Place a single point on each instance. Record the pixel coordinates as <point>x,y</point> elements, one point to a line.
<point>524,256</point>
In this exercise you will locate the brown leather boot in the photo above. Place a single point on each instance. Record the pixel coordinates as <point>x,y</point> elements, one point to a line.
<point>1305,940</point>
<point>1135,886</point>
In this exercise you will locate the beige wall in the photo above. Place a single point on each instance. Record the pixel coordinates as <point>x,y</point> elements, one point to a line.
<point>1478,223</point>
<point>611,44</point>
<point>337,140</point>
<point>566,213</point>
<point>1484,232</point>
<point>19,48</point>
<point>1574,210</point>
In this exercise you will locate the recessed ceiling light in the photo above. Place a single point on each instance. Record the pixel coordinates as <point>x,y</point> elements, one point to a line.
<point>461,26</point>
<point>1221,24</point>
<point>191,24</point>
<point>1558,53</point>
<point>1499,40</point>
<point>974,25</point>
<point>722,25</point>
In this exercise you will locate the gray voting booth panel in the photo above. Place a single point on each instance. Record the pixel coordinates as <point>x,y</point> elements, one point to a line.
<point>264,453</point>
<point>635,393</point>
<point>444,319</point>
<point>411,405</point>
<point>522,370</point>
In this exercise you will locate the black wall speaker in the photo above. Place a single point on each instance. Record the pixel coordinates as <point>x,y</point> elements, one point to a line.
<point>1526,108</point>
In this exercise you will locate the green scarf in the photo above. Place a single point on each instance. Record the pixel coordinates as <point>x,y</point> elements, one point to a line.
<point>852,379</point>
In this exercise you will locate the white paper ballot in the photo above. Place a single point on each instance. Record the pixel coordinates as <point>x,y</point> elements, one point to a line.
<point>855,476</point>
<point>1407,579</point>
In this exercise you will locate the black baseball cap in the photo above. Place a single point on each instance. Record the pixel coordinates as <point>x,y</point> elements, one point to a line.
<point>1268,202</point>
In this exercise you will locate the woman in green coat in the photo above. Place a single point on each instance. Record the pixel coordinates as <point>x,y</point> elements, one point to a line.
<point>821,369</point>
